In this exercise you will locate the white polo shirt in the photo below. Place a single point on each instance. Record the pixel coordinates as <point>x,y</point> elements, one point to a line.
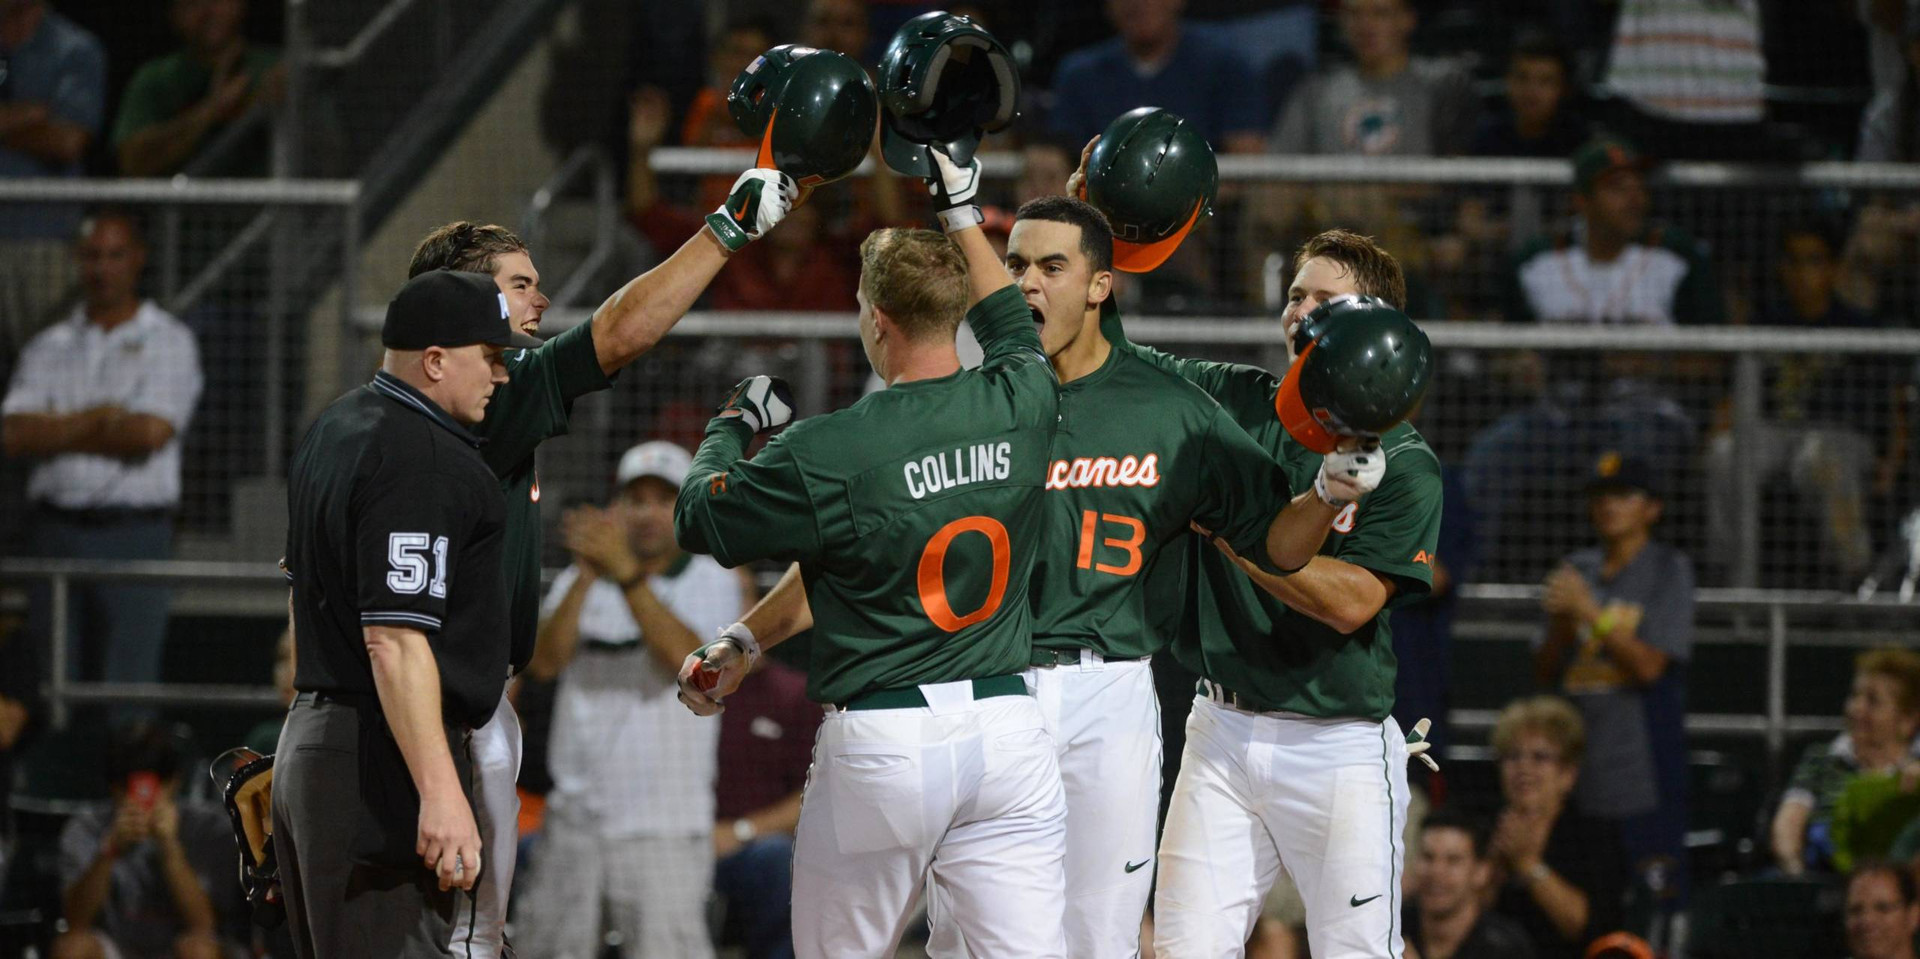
<point>627,758</point>
<point>149,364</point>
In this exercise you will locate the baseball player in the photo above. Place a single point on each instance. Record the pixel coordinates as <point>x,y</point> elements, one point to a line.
<point>914,518</point>
<point>1139,455</point>
<point>1292,758</point>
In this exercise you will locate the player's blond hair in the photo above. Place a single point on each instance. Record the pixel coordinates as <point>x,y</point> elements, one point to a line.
<point>1898,664</point>
<point>918,278</point>
<point>1550,716</point>
<point>1375,272</point>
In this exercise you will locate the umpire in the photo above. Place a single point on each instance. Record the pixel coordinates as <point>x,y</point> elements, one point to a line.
<point>394,540</point>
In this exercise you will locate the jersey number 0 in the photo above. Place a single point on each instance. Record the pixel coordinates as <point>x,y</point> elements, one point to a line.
<point>933,572</point>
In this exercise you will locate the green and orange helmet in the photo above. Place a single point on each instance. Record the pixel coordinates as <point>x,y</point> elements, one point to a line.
<point>944,82</point>
<point>1360,368</point>
<point>812,112</point>
<point>1154,176</point>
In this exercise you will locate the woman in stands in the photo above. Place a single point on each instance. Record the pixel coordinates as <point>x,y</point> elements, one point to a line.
<point>1563,875</point>
<point>1883,716</point>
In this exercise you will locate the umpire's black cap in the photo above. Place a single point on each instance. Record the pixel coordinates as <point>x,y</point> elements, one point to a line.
<point>447,309</point>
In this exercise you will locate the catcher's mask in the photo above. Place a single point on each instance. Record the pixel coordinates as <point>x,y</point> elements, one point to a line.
<point>944,82</point>
<point>1360,368</point>
<point>245,780</point>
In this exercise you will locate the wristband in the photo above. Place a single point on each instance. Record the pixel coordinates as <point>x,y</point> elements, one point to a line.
<point>743,830</point>
<point>742,638</point>
<point>1320,490</point>
<point>726,231</point>
<point>961,217</point>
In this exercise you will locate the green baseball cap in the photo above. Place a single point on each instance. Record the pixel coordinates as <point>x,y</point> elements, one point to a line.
<point>1603,155</point>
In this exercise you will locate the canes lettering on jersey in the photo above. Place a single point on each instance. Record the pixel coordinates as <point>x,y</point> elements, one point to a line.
<point>1092,472</point>
<point>968,464</point>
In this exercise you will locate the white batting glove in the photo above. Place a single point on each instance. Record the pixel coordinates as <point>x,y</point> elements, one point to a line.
<point>712,672</point>
<point>762,402</point>
<point>759,200</point>
<point>1417,744</point>
<point>1347,475</point>
<point>953,187</point>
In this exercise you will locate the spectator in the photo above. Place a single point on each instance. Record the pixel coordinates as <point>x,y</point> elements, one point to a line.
<point>21,714</point>
<point>1387,102</point>
<point>1561,875</point>
<point>1689,75</point>
<point>1157,59</point>
<point>1537,117</point>
<point>1613,266</point>
<point>53,92</point>
<point>147,875</point>
<point>767,736</point>
<point>102,400</point>
<point>628,822</point>
<point>1882,715</point>
<point>1618,638</point>
<point>842,25</point>
<point>707,123</point>
<point>1882,912</point>
<point>1834,425</point>
<point>178,107</point>
<point>1447,917</point>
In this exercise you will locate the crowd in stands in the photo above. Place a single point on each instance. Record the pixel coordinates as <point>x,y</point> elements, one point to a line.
<point>1582,837</point>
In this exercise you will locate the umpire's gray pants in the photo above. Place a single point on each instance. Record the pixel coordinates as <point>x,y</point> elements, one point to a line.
<point>337,908</point>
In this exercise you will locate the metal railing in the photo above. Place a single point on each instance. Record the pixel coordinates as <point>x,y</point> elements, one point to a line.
<point>1487,613</point>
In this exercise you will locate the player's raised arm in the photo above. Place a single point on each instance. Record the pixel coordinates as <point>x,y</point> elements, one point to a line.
<point>1001,320</point>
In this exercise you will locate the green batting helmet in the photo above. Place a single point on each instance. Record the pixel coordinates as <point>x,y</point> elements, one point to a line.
<point>812,111</point>
<point>944,82</point>
<point>1154,177</point>
<point>1360,368</point>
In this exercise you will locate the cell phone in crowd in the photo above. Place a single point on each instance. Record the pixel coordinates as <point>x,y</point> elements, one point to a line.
<point>143,789</point>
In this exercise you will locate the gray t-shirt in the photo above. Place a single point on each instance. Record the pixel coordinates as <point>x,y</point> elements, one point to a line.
<point>138,915</point>
<point>1619,777</point>
<point>1428,109</point>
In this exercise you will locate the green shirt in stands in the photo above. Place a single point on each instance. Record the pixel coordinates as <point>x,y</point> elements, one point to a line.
<point>163,89</point>
<point>533,405</point>
<point>1236,634</point>
<point>915,515</point>
<point>1139,454</point>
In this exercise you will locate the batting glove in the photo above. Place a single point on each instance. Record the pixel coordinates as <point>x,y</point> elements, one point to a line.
<point>953,187</point>
<point>759,200</point>
<point>1347,475</point>
<point>713,671</point>
<point>762,402</point>
<point>1417,744</point>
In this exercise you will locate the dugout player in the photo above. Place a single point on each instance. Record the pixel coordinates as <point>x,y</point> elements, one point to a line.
<point>913,517</point>
<point>1292,758</point>
<point>534,405</point>
<point>393,546</point>
<point>1140,454</point>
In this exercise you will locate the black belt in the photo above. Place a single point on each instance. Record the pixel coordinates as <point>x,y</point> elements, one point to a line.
<point>1043,658</point>
<point>602,646</point>
<point>337,697</point>
<point>1227,697</point>
<point>107,515</point>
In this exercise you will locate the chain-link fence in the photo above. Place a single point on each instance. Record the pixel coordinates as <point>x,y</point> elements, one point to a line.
<point>259,271</point>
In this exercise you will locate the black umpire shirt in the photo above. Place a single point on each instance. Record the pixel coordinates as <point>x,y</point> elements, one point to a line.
<point>395,520</point>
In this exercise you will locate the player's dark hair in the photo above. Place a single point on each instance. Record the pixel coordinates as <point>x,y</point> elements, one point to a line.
<point>1096,235</point>
<point>464,247</point>
<point>1535,43</point>
<point>1375,271</point>
<point>1475,828</point>
<point>144,746</point>
<point>1903,878</point>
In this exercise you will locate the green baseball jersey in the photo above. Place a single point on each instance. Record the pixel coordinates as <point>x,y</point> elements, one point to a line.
<point>1138,455</point>
<point>915,515</point>
<point>532,406</point>
<point>1236,634</point>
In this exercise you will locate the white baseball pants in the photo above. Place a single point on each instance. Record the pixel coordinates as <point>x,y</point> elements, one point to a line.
<point>1326,799</point>
<point>480,929</point>
<point>962,792</point>
<point>1105,723</point>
